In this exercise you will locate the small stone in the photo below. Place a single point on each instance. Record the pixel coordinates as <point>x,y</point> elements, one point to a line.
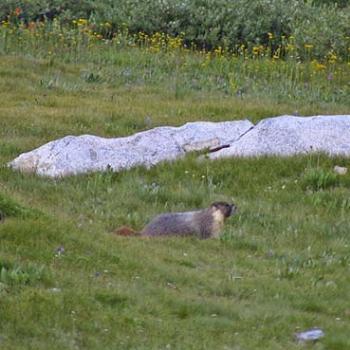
<point>59,250</point>
<point>340,170</point>
<point>310,335</point>
<point>171,285</point>
<point>270,253</point>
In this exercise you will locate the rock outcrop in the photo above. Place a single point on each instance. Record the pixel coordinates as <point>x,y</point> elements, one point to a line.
<point>288,135</point>
<point>282,136</point>
<point>80,154</point>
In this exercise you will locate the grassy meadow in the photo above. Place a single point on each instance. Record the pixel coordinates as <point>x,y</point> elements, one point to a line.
<point>66,282</point>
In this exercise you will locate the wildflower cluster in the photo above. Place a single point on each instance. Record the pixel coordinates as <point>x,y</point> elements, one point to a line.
<point>159,41</point>
<point>52,38</point>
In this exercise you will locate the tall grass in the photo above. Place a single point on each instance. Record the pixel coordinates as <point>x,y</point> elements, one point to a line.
<point>258,71</point>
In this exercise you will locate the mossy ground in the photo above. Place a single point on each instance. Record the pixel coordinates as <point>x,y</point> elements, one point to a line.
<point>66,282</point>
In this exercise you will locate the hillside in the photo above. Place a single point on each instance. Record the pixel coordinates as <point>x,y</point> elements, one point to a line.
<point>66,282</point>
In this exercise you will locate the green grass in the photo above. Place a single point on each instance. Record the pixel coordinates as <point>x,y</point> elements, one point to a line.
<point>282,264</point>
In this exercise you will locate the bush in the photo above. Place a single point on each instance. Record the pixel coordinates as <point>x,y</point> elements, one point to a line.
<point>322,25</point>
<point>327,29</point>
<point>340,3</point>
<point>317,179</point>
<point>11,274</point>
<point>8,208</point>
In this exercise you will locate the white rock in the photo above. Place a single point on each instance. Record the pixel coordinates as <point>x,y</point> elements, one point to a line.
<point>289,135</point>
<point>310,335</point>
<point>283,136</point>
<point>340,170</point>
<point>80,154</point>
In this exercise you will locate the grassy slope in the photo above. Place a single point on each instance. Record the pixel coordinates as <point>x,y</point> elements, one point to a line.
<point>282,265</point>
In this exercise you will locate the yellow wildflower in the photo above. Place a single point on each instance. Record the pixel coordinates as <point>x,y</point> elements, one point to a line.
<point>255,50</point>
<point>82,22</point>
<point>318,66</point>
<point>218,51</point>
<point>332,57</point>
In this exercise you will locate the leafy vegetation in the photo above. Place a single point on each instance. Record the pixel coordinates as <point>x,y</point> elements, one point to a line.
<point>8,207</point>
<point>66,282</point>
<point>231,25</point>
<point>319,179</point>
<point>13,275</point>
<point>259,72</point>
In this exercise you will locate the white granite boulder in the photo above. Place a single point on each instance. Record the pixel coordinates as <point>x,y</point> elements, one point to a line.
<point>282,136</point>
<point>80,154</point>
<point>289,135</point>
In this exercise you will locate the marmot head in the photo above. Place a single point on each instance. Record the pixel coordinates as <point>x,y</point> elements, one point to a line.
<point>226,208</point>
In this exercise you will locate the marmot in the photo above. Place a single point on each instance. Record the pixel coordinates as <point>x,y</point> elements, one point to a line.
<point>205,223</point>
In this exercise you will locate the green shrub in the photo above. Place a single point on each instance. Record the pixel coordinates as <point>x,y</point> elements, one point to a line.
<point>327,29</point>
<point>340,3</point>
<point>8,207</point>
<point>15,275</point>
<point>207,24</point>
<point>318,179</point>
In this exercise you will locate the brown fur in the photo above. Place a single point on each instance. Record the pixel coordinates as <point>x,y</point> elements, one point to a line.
<point>125,231</point>
<point>205,223</point>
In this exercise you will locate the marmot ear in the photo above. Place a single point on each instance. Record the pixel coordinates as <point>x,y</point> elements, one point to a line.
<point>214,205</point>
